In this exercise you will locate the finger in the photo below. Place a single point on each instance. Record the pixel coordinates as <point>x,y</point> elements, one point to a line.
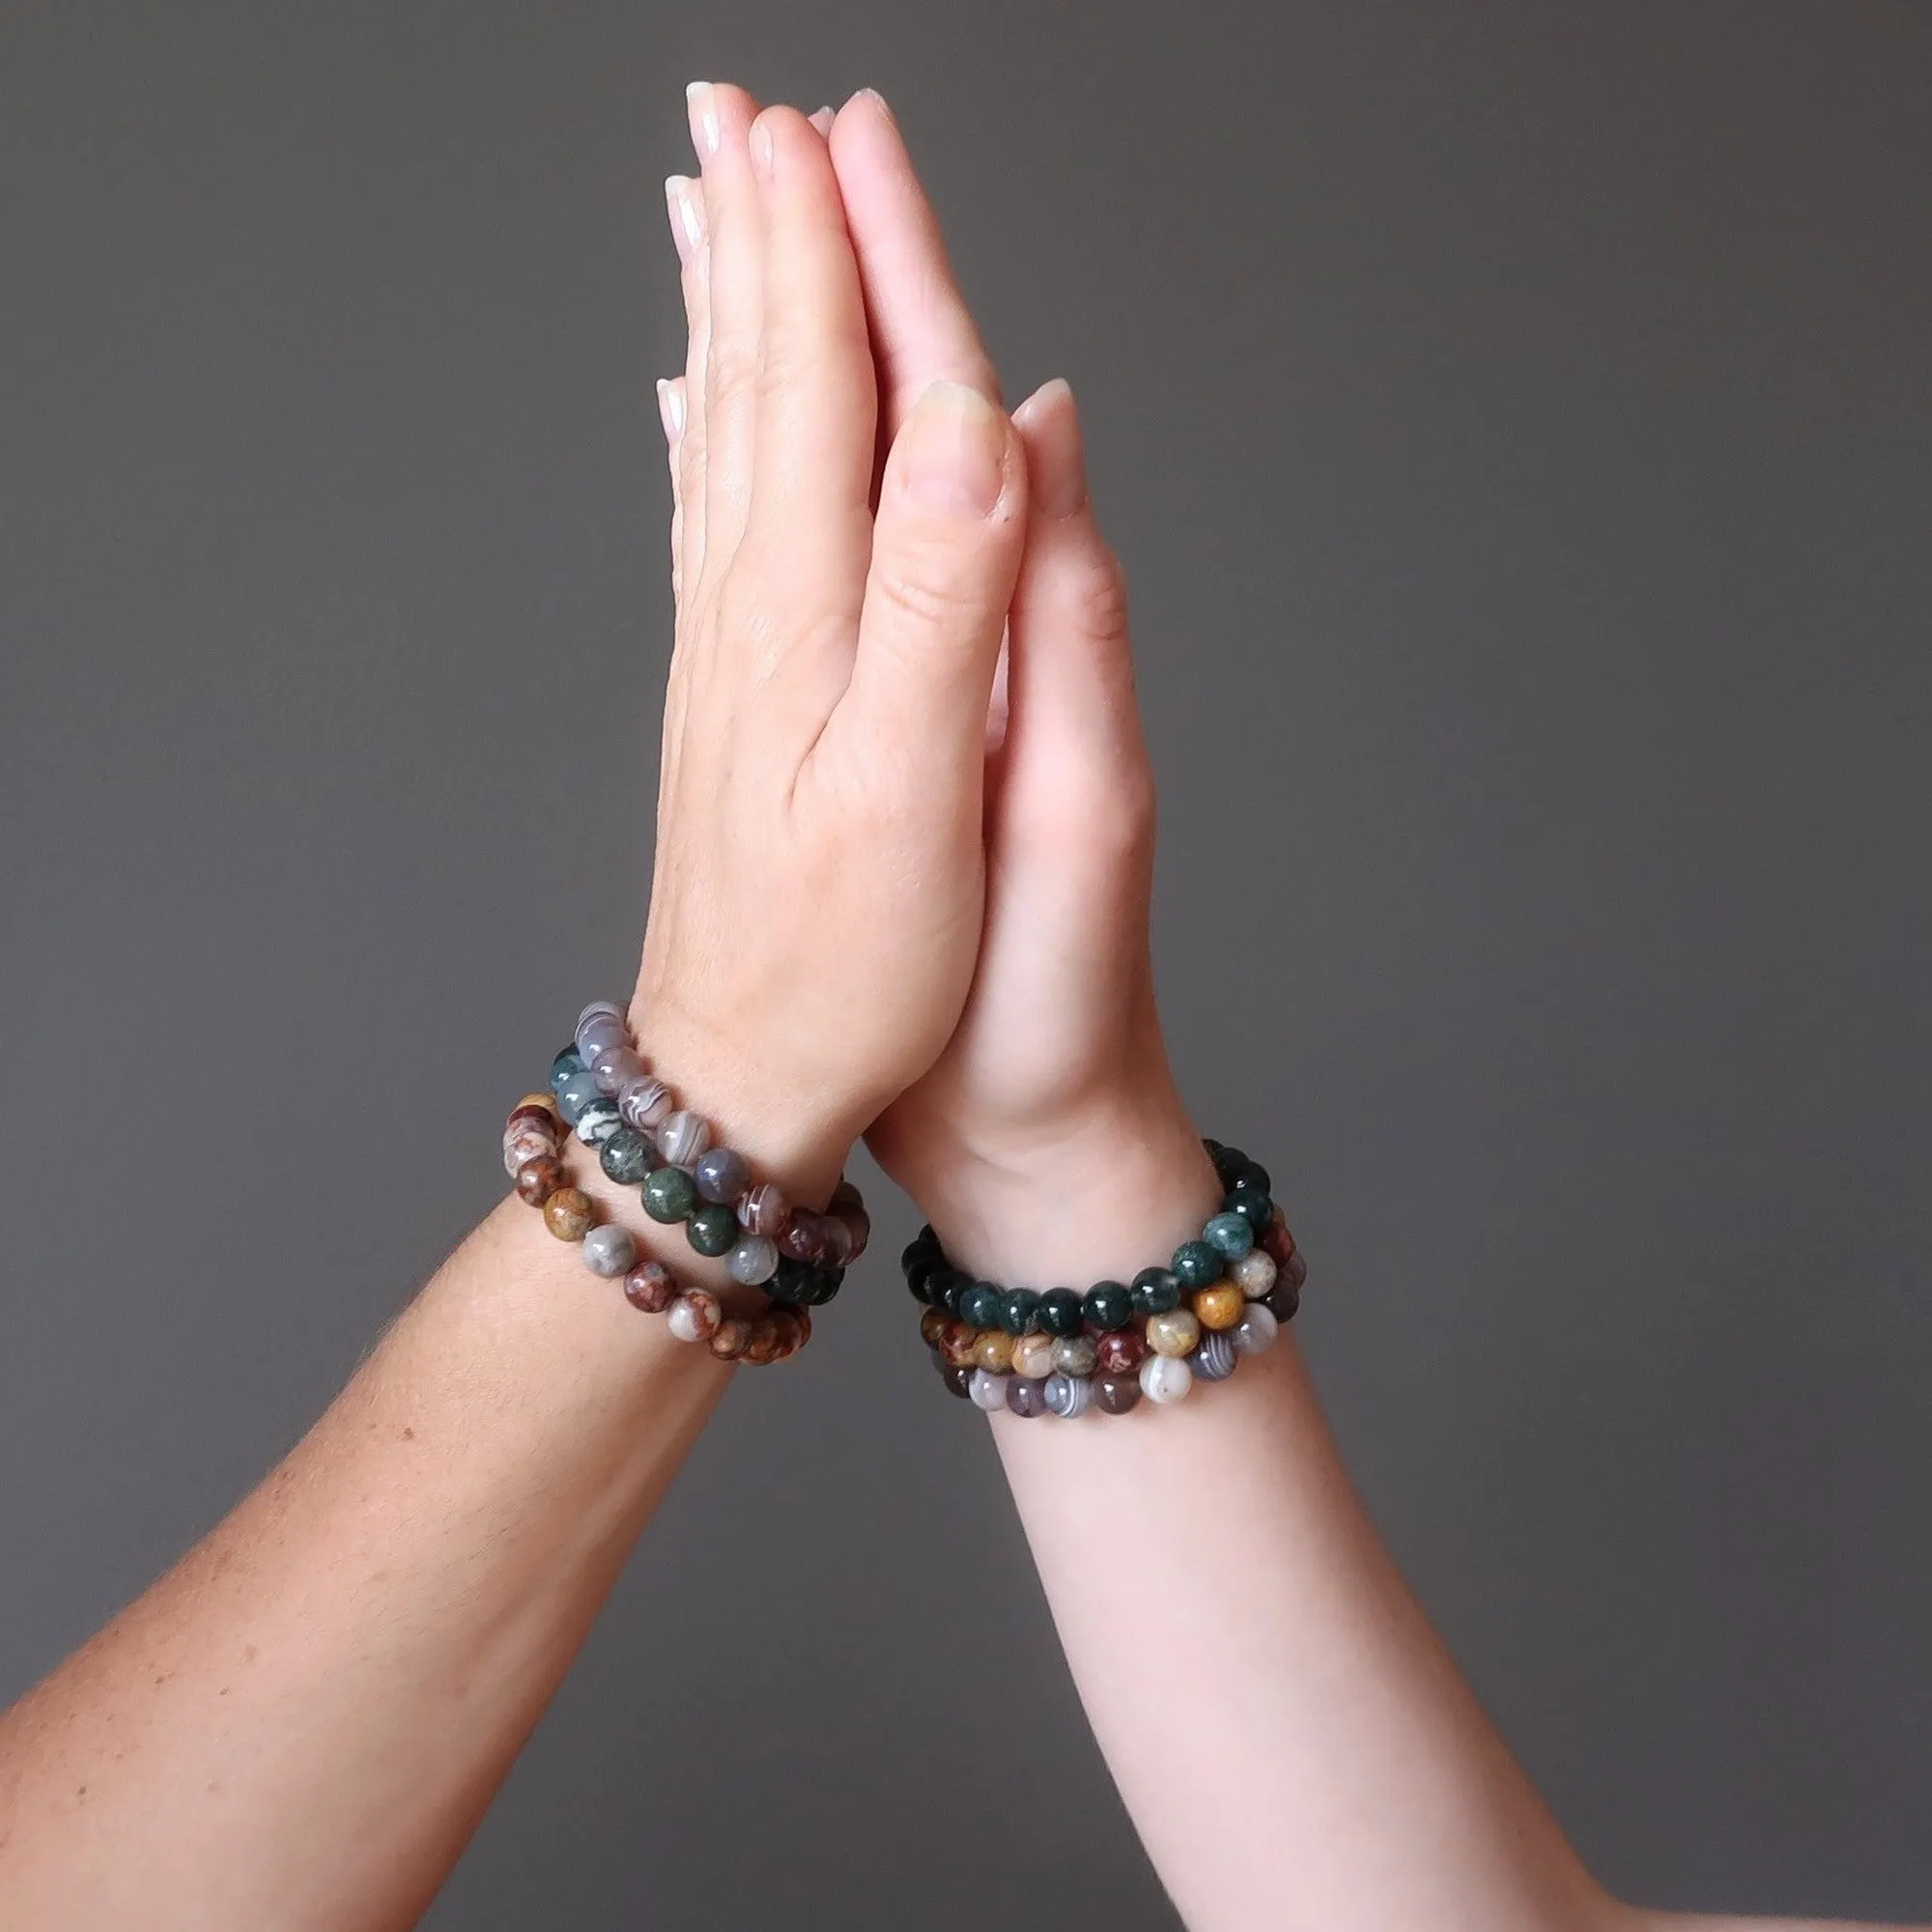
<point>822,119</point>
<point>720,123</point>
<point>1074,728</point>
<point>670,413</point>
<point>923,332</point>
<point>686,207</point>
<point>817,406</point>
<point>946,551</point>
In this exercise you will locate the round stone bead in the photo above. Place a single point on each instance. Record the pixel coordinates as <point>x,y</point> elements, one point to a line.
<point>712,1228</point>
<point>610,1251</point>
<point>694,1315</point>
<point>1253,1207</point>
<point>995,1350</point>
<point>1214,1361</point>
<point>764,1210</point>
<point>682,1137</point>
<point>564,1066</point>
<point>1173,1334</point>
<point>651,1286</point>
<point>1025,1396</point>
<point>803,1236</point>
<point>960,1344</point>
<point>1108,1306</point>
<point>1061,1312</point>
<point>794,1330</point>
<point>732,1339</point>
<point>1253,1274</point>
<point>1254,1334</point>
<point>766,1341</point>
<point>1120,1352</point>
<point>597,1120</point>
<point>626,1156</point>
<point>855,1227</point>
<point>541,1103</point>
<point>1068,1396</point>
<point>1165,1379</point>
<point>1155,1291</point>
<point>645,1102</point>
<point>1282,1300</point>
<point>825,1282</point>
<point>790,1281</point>
<point>931,1325</point>
<point>1294,1270</point>
<point>1019,1310</point>
<point>1230,1235</point>
<point>1278,1241</point>
<point>568,1214</point>
<point>669,1194</point>
<point>1074,1355</point>
<point>980,1305</point>
<point>754,1260</point>
<point>1196,1264</point>
<point>599,1036</point>
<point>1219,1306</point>
<point>615,1068</point>
<point>988,1390</point>
<point>945,1289</point>
<point>534,1117</point>
<point>575,1094</point>
<point>1252,1175</point>
<point>919,1265</point>
<point>838,1239</point>
<point>1032,1357</point>
<point>721,1175</point>
<point>1228,1162</point>
<point>521,1144</point>
<point>958,1378</point>
<point>539,1178</point>
<point>1115,1394</point>
<point>611,1008</point>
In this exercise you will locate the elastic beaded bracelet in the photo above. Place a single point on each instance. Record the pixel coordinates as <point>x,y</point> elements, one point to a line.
<point>1224,1294</point>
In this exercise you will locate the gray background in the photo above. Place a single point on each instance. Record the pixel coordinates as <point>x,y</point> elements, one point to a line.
<point>1515,421</point>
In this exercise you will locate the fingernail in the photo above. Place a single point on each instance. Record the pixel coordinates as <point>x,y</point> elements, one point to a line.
<point>687,229</point>
<point>671,409</point>
<point>877,100</point>
<point>1056,468</point>
<point>762,157</point>
<point>957,445</point>
<point>703,107</point>
<point>823,120</point>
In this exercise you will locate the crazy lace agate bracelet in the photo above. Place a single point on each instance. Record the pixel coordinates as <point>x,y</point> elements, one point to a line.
<point>1222,1295</point>
<point>601,1092</point>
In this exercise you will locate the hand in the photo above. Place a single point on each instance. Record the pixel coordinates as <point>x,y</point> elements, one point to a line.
<point>819,882</point>
<point>1054,1095</point>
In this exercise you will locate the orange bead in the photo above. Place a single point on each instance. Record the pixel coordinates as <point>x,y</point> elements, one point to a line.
<point>995,1351</point>
<point>569,1215</point>
<point>1220,1306</point>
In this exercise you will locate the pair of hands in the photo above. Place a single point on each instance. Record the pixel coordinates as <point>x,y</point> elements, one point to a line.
<point>905,818</point>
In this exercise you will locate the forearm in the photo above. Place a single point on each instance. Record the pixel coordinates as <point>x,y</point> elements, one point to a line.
<point>1294,1744</point>
<point>303,1723</point>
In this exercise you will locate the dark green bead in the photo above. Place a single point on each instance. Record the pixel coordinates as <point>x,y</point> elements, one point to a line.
<point>626,1156</point>
<point>959,1381</point>
<point>826,1282</point>
<point>1109,1305</point>
<point>1061,1312</point>
<point>945,1288</point>
<point>1155,1291</point>
<point>567,1063</point>
<point>920,1263</point>
<point>1228,1162</point>
<point>712,1229</point>
<point>669,1193</point>
<point>1197,1265</point>
<point>791,1281</point>
<point>1253,1206</point>
<point>1229,1235</point>
<point>980,1305</point>
<point>1252,1174</point>
<point>1019,1310</point>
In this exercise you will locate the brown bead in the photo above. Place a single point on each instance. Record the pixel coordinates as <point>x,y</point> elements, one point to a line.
<point>802,1317</point>
<point>1220,1306</point>
<point>764,1210</point>
<point>1277,1242</point>
<point>957,1378</point>
<point>931,1325</point>
<point>1295,1271</point>
<point>541,1119</point>
<point>995,1350</point>
<point>1116,1393</point>
<point>569,1215</point>
<point>539,1178</point>
<point>789,1331</point>
<point>1282,1300</point>
<point>651,1286</point>
<point>1119,1352</point>
<point>959,1344</point>
<point>695,1315</point>
<point>804,1237</point>
<point>1032,1357</point>
<point>547,1101</point>
<point>762,1349</point>
<point>735,1333</point>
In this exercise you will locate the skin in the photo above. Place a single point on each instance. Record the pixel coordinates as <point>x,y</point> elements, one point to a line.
<point>863,919</point>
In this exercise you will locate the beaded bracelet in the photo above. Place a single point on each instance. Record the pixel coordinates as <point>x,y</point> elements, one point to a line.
<point>1060,1352</point>
<point>601,1090</point>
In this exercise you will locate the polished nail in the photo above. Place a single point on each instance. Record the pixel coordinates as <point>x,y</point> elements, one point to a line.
<point>701,103</point>
<point>686,228</point>
<point>671,409</point>
<point>954,461</point>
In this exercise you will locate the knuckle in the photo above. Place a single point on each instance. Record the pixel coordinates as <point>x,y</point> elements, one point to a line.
<point>1100,597</point>
<point>919,597</point>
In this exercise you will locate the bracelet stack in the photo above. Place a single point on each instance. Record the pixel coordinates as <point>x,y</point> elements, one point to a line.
<point>1222,1295</point>
<point>601,1090</point>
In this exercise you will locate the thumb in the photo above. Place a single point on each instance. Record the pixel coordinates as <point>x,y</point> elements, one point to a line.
<point>946,554</point>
